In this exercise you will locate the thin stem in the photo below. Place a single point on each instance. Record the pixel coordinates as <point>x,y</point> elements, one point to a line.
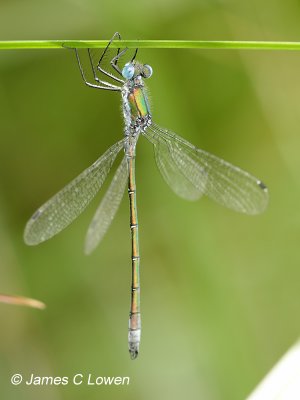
<point>21,301</point>
<point>149,44</point>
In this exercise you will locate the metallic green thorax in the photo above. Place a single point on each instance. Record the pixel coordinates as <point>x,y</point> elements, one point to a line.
<point>138,103</point>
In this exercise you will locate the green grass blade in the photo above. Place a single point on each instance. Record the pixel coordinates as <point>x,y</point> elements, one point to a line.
<point>149,44</point>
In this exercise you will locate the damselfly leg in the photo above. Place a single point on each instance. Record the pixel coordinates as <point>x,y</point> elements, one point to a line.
<point>100,84</point>
<point>113,61</point>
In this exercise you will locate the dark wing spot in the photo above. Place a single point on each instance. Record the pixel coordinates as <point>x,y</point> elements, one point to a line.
<point>36,215</point>
<point>262,185</point>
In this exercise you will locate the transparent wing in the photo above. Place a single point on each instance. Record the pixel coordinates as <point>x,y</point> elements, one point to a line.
<point>58,212</point>
<point>107,208</point>
<point>174,169</point>
<point>228,185</point>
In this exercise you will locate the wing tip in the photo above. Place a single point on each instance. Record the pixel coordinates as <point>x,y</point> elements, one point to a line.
<point>29,238</point>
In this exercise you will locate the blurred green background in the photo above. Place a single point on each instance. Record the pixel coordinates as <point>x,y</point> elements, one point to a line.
<point>220,291</point>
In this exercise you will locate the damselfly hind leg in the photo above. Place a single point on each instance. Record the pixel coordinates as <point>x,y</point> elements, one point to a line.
<point>100,84</point>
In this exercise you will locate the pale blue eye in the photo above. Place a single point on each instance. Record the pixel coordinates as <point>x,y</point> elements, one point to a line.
<point>128,71</point>
<point>147,71</point>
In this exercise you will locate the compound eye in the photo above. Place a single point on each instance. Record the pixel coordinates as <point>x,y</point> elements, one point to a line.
<point>147,71</point>
<point>128,71</point>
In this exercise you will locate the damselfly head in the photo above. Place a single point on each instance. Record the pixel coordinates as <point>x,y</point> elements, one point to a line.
<point>135,69</point>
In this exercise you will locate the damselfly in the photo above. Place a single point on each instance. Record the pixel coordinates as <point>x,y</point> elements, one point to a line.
<point>189,171</point>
